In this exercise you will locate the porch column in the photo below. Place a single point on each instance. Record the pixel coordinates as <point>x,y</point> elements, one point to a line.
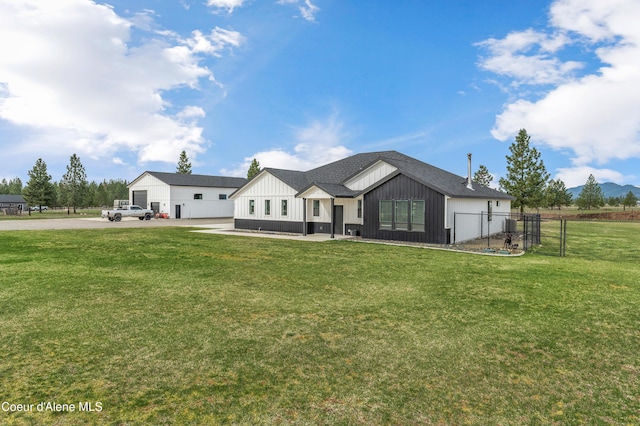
<point>304,217</point>
<point>332,218</point>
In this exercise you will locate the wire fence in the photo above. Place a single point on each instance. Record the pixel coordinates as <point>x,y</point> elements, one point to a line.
<point>552,236</point>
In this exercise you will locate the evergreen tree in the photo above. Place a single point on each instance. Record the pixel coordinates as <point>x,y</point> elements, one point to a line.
<point>629,200</point>
<point>613,201</point>
<point>184,165</point>
<point>557,194</point>
<point>39,190</point>
<point>15,186</point>
<point>73,187</point>
<point>482,176</point>
<point>526,175</point>
<point>591,195</point>
<point>254,169</point>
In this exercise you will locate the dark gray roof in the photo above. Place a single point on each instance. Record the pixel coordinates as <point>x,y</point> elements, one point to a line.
<point>178,179</point>
<point>332,177</point>
<point>10,198</point>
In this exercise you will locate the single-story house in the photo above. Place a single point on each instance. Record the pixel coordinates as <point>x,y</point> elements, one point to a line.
<point>15,201</point>
<point>380,195</point>
<point>185,196</point>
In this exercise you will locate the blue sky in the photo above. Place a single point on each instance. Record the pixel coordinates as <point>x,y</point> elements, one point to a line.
<point>128,84</point>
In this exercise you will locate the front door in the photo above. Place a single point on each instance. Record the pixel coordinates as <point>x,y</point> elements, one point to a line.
<point>177,211</point>
<point>338,221</point>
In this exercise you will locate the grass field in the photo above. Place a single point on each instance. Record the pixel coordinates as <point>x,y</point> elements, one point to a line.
<point>53,214</point>
<point>165,326</point>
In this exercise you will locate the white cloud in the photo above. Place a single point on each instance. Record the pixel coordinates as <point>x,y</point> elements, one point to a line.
<point>229,5</point>
<point>527,58</point>
<point>69,70</point>
<point>308,10</point>
<point>318,143</point>
<point>576,176</point>
<point>595,116</point>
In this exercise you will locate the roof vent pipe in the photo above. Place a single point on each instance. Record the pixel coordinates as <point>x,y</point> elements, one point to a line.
<point>469,180</point>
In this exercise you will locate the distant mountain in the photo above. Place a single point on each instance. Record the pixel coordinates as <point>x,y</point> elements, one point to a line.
<point>609,189</point>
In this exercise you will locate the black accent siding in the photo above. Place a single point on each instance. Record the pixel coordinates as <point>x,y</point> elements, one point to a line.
<point>355,228</point>
<point>318,227</point>
<point>269,225</point>
<point>404,188</point>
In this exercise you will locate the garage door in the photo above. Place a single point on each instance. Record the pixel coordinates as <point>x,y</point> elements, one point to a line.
<point>140,198</point>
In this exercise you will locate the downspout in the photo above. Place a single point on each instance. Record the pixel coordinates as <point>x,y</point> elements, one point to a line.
<point>332,218</point>
<point>304,217</point>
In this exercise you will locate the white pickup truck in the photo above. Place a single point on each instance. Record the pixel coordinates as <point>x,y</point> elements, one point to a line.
<point>127,211</point>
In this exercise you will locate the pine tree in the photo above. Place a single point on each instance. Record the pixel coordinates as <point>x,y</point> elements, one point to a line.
<point>629,200</point>
<point>73,187</point>
<point>591,195</point>
<point>482,176</point>
<point>526,175</point>
<point>39,190</point>
<point>184,165</point>
<point>254,169</point>
<point>557,194</point>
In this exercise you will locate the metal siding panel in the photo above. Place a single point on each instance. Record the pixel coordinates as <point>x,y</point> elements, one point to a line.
<point>404,188</point>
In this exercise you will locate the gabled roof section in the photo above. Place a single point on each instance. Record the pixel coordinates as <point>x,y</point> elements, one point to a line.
<point>332,177</point>
<point>333,189</point>
<point>10,198</point>
<point>178,179</point>
<point>443,181</point>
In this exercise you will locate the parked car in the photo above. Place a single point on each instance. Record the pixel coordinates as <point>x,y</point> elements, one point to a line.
<point>38,208</point>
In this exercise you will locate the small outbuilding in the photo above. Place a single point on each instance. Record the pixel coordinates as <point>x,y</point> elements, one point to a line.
<point>185,196</point>
<point>379,195</point>
<point>15,203</point>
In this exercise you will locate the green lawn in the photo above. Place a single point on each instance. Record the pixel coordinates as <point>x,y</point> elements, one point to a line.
<point>53,214</point>
<point>166,326</point>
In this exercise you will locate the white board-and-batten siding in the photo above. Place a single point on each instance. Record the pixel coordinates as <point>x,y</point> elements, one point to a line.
<point>370,176</point>
<point>472,222</point>
<point>268,187</point>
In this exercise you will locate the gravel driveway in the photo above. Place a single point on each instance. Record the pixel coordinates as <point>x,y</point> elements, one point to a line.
<point>94,223</point>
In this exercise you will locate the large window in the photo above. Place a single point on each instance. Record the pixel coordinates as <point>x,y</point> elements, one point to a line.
<point>417,215</point>
<point>402,215</point>
<point>386,214</point>
<point>316,208</point>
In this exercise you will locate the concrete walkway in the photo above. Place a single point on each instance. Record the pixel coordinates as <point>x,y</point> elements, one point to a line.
<point>227,229</point>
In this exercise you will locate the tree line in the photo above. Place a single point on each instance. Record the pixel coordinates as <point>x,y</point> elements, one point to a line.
<point>72,191</point>
<point>528,181</point>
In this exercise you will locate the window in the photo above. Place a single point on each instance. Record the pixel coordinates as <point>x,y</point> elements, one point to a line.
<point>283,209</point>
<point>316,208</point>
<point>222,196</point>
<point>402,215</point>
<point>417,215</point>
<point>197,196</point>
<point>252,206</point>
<point>386,214</point>
<point>489,210</point>
<point>359,209</point>
<point>267,207</point>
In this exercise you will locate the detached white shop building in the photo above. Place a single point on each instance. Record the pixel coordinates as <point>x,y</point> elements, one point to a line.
<point>185,196</point>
